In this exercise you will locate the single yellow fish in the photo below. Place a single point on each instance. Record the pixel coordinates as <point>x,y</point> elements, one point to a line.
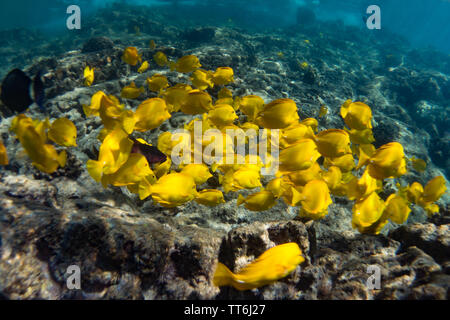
<point>223,76</point>
<point>160,58</point>
<point>357,115</point>
<point>63,132</point>
<point>175,96</point>
<point>278,114</point>
<point>202,79</point>
<point>259,201</point>
<point>251,106</point>
<point>199,172</point>
<point>143,67</point>
<point>186,64</point>
<point>388,161</point>
<point>3,155</point>
<point>152,44</point>
<point>157,82</point>
<point>368,214</point>
<point>150,114</point>
<point>210,197</point>
<point>272,265</point>
<point>222,115</point>
<point>131,56</point>
<point>173,190</point>
<point>197,102</point>
<point>323,111</point>
<point>397,209</point>
<point>315,200</point>
<point>300,156</point>
<point>88,76</point>
<point>418,164</point>
<point>333,143</point>
<point>131,91</point>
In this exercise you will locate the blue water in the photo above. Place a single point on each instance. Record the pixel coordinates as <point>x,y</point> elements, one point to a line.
<point>423,22</point>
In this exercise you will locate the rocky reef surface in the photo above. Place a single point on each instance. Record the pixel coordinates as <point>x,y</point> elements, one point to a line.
<point>132,249</point>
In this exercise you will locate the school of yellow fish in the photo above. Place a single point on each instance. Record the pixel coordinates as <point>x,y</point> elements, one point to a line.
<point>352,167</point>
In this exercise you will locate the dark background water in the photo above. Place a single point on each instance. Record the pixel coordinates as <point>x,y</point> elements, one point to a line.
<point>423,22</point>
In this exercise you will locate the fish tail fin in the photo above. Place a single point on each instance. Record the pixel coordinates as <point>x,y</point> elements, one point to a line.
<point>240,200</point>
<point>171,65</point>
<point>38,91</point>
<point>95,169</point>
<point>223,276</point>
<point>62,158</point>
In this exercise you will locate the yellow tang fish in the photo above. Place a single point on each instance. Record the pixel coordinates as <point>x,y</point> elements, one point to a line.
<point>132,172</point>
<point>131,56</point>
<point>397,209</point>
<point>210,197</point>
<point>251,105</point>
<point>150,114</point>
<point>3,155</point>
<point>113,153</point>
<point>259,201</point>
<point>333,143</point>
<point>152,44</point>
<point>222,115</point>
<point>388,161</point>
<point>173,190</point>
<point>346,162</point>
<point>418,164</point>
<point>160,58</point>
<point>272,265</point>
<point>302,177</point>
<point>143,67</point>
<point>433,190</point>
<point>223,76</point>
<point>197,102</point>
<point>300,156</point>
<point>323,111</point>
<point>315,200</point>
<point>32,137</point>
<point>199,172</point>
<point>131,91</point>
<point>311,122</point>
<point>88,76</point>
<point>368,214</point>
<point>202,79</point>
<point>157,82</point>
<point>278,114</point>
<point>176,95</point>
<point>186,64</point>
<point>63,132</point>
<point>414,192</point>
<point>357,115</point>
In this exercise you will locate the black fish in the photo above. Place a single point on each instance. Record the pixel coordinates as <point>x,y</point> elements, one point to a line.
<point>151,153</point>
<point>15,91</point>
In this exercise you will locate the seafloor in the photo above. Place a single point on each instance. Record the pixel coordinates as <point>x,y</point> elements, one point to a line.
<point>131,249</point>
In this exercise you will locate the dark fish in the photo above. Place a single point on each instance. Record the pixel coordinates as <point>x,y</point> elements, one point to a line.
<point>15,91</point>
<point>151,153</point>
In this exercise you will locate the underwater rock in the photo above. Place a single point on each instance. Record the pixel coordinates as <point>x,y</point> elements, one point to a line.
<point>434,240</point>
<point>305,16</point>
<point>199,35</point>
<point>97,44</point>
